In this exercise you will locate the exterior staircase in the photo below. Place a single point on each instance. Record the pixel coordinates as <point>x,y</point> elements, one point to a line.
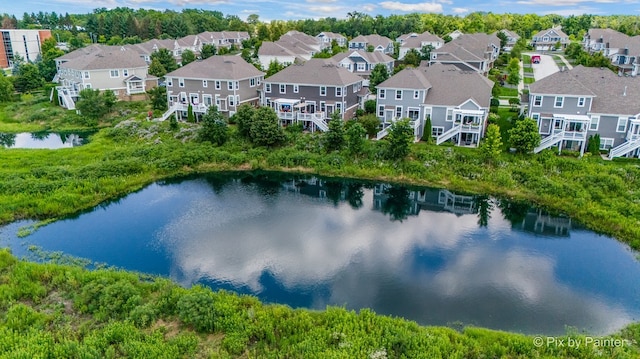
<point>168,113</point>
<point>415,124</point>
<point>449,134</point>
<point>549,141</point>
<point>67,100</point>
<point>624,148</point>
<point>316,118</point>
<point>382,133</point>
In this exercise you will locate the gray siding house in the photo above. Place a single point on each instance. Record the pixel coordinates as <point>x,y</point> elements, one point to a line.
<point>621,49</point>
<point>469,52</point>
<point>379,43</point>
<point>224,81</point>
<point>457,102</point>
<point>312,91</point>
<point>548,39</point>
<point>570,106</point>
<point>362,62</point>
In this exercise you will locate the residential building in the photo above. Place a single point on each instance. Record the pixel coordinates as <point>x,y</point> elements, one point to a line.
<point>114,68</point>
<point>469,52</point>
<point>326,38</point>
<point>361,62</point>
<point>291,47</point>
<point>571,105</point>
<point>512,38</point>
<point>147,48</point>
<point>621,49</point>
<point>548,39</point>
<point>23,43</point>
<point>457,102</point>
<point>379,43</point>
<point>224,81</point>
<point>310,92</point>
<point>455,34</point>
<point>418,42</point>
<point>223,38</point>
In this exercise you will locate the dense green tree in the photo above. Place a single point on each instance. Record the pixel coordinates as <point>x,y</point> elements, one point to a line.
<point>188,57</point>
<point>397,203</point>
<point>28,79</point>
<point>191,118</point>
<point>371,123</point>
<point>412,58</point>
<point>6,89</point>
<point>334,138</point>
<point>513,72</point>
<point>378,75</point>
<point>165,57</point>
<point>265,128</point>
<point>428,129</point>
<point>47,66</point>
<point>158,97</point>
<point>370,106</point>
<point>274,67</point>
<point>425,52</point>
<point>109,99</point>
<point>524,136</point>
<point>355,135</point>
<point>491,146</point>
<point>214,128</point>
<point>503,39</point>
<point>156,68</point>
<point>91,104</point>
<point>243,118</point>
<point>207,51</point>
<point>399,140</point>
<point>593,145</point>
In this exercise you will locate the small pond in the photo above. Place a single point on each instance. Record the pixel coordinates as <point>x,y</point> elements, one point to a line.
<point>425,254</point>
<point>43,140</point>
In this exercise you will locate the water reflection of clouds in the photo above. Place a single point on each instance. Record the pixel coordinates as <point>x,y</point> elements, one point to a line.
<point>366,261</point>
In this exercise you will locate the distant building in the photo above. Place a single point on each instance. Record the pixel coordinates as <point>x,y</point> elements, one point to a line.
<point>379,43</point>
<point>417,42</point>
<point>548,39</point>
<point>327,37</point>
<point>25,43</point>
<point>469,52</point>
<point>292,47</point>
<point>512,38</point>
<point>621,49</point>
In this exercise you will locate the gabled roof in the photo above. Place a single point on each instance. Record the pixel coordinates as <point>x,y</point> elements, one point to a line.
<point>269,48</point>
<point>456,52</point>
<point>235,34</point>
<point>81,52</point>
<point>321,72</point>
<point>469,47</point>
<point>415,42</point>
<point>613,94</point>
<point>148,47</point>
<point>509,33</point>
<point>405,37</point>
<point>375,57</point>
<point>559,32</point>
<point>107,57</point>
<point>331,35</point>
<point>375,40</point>
<point>188,41</point>
<point>409,78</point>
<point>218,68</point>
<point>452,87</point>
<point>296,37</point>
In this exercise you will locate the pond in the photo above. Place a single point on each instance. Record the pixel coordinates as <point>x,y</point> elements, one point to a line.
<point>43,140</point>
<point>425,254</point>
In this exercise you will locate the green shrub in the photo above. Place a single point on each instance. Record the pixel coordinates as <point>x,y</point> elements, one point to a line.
<point>196,308</point>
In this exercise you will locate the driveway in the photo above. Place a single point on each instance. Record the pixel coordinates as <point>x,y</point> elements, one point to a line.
<point>546,67</point>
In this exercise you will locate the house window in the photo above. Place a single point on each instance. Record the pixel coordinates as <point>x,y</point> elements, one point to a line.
<point>606,143</point>
<point>355,88</point>
<point>232,100</point>
<point>114,73</point>
<point>323,90</point>
<point>398,94</point>
<point>237,83</point>
<point>283,88</point>
<point>181,82</point>
<point>449,114</point>
<point>581,101</point>
<point>416,95</point>
<point>86,74</point>
<point>267,87</point>
<point>339,107</point>
<point>87,85</point>
<point>398,111</point>
<point>230,85</point>
<point>437,131</point>
<point>536,117</point>
<point>622,124</point>
<point>559,101</point>
<point>323,107</point>
<point>595,121</point>
<point>217,85</point>
<point>296,88</point>
<point>125,72</point>
<point>252,82</point>
<point>361,66</point>
<point>258,80</point>
<point>537,101</point>
<point>381,94</point>
<point>381,111</point>
<point>338,91</point>
<point>169,82</point>
<point>205,83</point>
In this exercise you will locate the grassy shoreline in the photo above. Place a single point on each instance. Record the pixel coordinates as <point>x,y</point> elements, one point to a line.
<point>53,310</point>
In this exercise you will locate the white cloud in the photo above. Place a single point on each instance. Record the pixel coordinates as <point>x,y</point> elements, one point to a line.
<point>372,7</point>
<point>459,10</point>
<point>328,9</point>
<point>250,11</point>
<point>321,1</point>
<point>422,7</point>
<point>565,2</point>
<point>574,11</point>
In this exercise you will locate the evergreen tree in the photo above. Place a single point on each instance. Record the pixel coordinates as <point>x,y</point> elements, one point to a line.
<point>274,67</point>
<point>55,97</point>
<point>355,137</point>
<point>28,79</point>
<point>188,57</point>
<point>265,129</point>
<point>109,99</point>
<point>6,89</point>
<point>399,140</point>
<point>334,138</point>
<point>158,97</point>
<point>524,136</point>
<point>214,128</point>
<point>378,75</point>
<point>492,145</point>
<point>156,69</point>
<point>190,116</point>
<point>428,129</point>
<point>207,51</point>
<point>165,57</point>
<point>243,118</point>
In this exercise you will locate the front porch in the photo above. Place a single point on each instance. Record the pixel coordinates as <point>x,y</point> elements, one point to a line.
<point>565,131</point>
<point>135,85</point>
<point>467,127</point>
<point>631,147</point>
<point>312,117</point>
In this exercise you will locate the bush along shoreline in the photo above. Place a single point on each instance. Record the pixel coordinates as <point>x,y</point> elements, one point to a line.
<point>53,310</point>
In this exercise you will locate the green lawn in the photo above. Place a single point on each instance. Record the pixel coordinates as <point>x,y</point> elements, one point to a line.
<point>527,69</point>
<point>506,92</point>
<point>526,59</point>
<point>529,80</point>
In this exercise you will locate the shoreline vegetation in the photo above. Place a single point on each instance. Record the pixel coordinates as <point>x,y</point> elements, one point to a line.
<point>55,310</point>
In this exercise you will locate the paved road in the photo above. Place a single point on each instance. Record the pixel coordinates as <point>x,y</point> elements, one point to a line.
<point>546,67</point>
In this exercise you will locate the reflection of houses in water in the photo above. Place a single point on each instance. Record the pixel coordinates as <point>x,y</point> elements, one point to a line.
<point>429,199</point>
<point>315,187</point>
<point>541,222</point>
<point>382,194</point>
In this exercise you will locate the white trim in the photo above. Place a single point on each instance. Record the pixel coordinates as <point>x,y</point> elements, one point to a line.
<point>381,94</point>
<point>535,97</point>
<point>555,102</point>
<point>381,111</point>
<point>283,88</point>
<point>433,128</point>
<point>597,122</point>
<point>267,87</point>
<point>449,115</point>
<point>180,82</point>
<point>169,82</point>
<point>606,141</point>
<point>296,88</point>
<point>338,89</point>
<point>396,112</point>
<point>205,83</point>
<point>624,121</point>
<point>416,94</point>
<point>217,85</point>
<point>584,100</point>
<point>396,95</point>
<point>323,90</point>
<point>111,73</point>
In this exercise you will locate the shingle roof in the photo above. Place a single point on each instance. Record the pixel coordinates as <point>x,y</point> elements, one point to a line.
<point>375,40</point>
<point>375,57</point>
<point>331,35</point>
<point>416,41</point>
<point>108,57</point>
<point>613,94</point>
<point>409,78</point>
<point>269,48</point>
<point>555,29</point>
<point>315,72</point>
<point>452,87</point>
<point>218,68</point>
<point>148,47</point>
<point>81,52</point>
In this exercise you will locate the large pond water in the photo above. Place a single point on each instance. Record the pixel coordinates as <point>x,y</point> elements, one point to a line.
<point>428,255</point>
<point>43,140</point>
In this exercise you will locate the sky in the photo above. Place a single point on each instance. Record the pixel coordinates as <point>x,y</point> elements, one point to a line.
<point>305,9</point>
